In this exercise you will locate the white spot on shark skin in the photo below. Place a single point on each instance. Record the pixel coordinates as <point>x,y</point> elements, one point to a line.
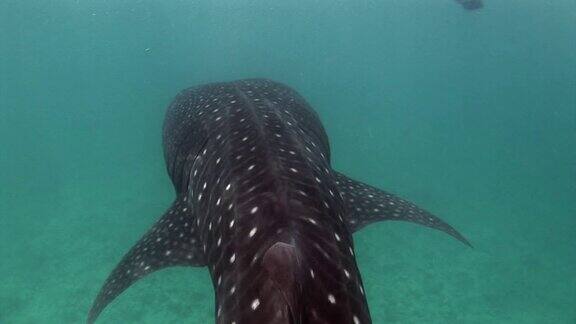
<point>331,299</point>
<point>252,232</point>
<point>233,258</point>
<point>312,221</point>
<point>255,304</point>
<point>356,320</point>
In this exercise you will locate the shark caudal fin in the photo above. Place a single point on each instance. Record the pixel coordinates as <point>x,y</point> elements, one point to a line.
<point>171,242</point>
<point>366,205</point>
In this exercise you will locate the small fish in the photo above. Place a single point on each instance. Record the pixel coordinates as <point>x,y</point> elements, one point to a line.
<point>258,203</point>
<point>471,4</point>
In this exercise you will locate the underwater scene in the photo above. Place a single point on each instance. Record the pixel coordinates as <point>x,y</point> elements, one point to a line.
<point>465,109</point>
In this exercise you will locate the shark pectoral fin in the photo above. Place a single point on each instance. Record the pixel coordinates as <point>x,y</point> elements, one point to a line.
<point>366,204</point>
<point>171,242</point>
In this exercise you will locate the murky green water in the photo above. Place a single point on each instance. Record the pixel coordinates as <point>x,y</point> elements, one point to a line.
<point>470,114</point>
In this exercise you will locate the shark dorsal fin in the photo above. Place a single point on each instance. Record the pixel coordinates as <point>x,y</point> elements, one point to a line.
<point>281,263</point>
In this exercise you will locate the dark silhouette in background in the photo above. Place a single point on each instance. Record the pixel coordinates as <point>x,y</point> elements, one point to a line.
<point>471,4</point>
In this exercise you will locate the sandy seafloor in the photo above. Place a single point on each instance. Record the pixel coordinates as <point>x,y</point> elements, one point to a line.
<point>470,115</point>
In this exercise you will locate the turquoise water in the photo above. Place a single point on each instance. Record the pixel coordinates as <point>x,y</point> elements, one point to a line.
<point>472,115</point>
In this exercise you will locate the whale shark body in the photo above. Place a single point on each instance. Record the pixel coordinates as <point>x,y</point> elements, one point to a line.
<point>258,203</point>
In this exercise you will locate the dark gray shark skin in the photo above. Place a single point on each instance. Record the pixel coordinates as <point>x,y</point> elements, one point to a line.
<point>258,204</point>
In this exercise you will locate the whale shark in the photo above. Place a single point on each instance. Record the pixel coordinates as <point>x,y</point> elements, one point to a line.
<point>258,203</point>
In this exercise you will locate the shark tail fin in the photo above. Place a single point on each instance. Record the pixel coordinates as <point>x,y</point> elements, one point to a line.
<point>366,204</point>
<point>172,241</point>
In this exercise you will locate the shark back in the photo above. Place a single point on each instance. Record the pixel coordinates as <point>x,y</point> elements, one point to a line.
<point>198,112</point>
